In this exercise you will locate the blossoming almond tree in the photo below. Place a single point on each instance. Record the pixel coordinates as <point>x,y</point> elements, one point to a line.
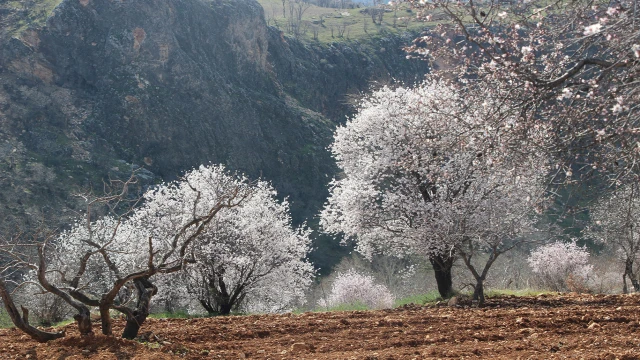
<point>251,258</point>
<point>352,288</point>
<point>498,213</point>
<point>616,223</point>
<point>559,262</point>
<point>421,167</point>
<point>570,64</point>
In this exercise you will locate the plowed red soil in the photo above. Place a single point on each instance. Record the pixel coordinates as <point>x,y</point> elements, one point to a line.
<point>543,327</point>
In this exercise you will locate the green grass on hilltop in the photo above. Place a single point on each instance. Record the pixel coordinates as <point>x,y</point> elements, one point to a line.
<point>341,24</point>
<point>336,25</point>
<point>28,14</point>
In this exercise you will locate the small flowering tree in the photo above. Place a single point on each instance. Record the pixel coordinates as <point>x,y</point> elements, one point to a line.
<point>423,168</point>
<point>615,222</point>
<point>499,216</point>
<point>351,288</point>
<point>558,262</point>
<point>250,257</point>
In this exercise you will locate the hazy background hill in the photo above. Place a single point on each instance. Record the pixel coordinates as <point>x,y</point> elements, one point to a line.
<point>91,88</point>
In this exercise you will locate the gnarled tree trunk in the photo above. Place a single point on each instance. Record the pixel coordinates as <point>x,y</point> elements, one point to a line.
<point>83,318</point>
<point>105,317</point>
<point>222,298</point>
<point>146,290</point>
<point>22,322</point>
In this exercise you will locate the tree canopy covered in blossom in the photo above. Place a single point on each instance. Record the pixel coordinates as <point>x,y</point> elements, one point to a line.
<point>249,258</point>
<point>570,64</point>
<point>428,169</point>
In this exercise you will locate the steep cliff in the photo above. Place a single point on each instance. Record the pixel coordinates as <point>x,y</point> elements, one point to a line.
<point>105,85</point>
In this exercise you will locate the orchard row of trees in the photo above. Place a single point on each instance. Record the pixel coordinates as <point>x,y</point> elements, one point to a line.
<point>217,235</point>
<point>523,100</point>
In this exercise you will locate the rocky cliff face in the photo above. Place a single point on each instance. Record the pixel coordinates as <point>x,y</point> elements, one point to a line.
<point>331,78</point>
<point>170,84</point>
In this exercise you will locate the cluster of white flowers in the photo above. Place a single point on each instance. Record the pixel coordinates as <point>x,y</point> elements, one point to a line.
<point>353,288</point>
<point>574,65</point>
<point>558,262</point>
<point>592,29</point>
<point>211,223</point>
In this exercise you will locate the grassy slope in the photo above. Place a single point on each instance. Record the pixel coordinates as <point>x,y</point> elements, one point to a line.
<point>338,18</point>
<point>25,14</point>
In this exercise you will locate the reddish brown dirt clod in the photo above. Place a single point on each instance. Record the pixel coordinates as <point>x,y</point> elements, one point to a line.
<point>543,327</point>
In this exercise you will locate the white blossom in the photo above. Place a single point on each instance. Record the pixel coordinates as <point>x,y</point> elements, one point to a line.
<point>559,262</point>
<point>592,29</point>
<point>352,288</point>
<point>526,50</point>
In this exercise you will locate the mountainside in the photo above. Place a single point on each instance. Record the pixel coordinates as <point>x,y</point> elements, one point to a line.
<point>102,86</point>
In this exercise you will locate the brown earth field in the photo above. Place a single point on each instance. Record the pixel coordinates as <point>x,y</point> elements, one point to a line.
<point>543,327</point>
